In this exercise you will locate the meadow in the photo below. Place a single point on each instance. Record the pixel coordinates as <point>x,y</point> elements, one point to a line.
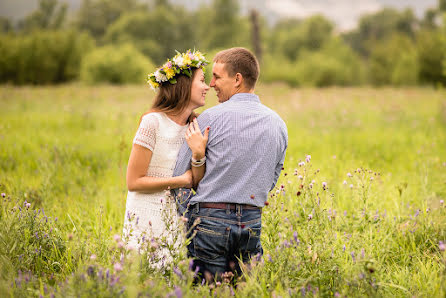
<point>363,216</point>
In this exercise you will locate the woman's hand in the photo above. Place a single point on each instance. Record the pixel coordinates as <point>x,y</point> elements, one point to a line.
<point>196,141</point>
<point>186,179</point>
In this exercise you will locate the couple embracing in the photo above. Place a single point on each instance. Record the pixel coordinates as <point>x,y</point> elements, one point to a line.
<point>231,155</point>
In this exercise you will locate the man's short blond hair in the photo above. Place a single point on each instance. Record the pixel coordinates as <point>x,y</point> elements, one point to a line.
<point>240,60</point>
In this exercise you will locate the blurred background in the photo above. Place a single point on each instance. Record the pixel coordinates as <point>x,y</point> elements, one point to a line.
<point>300,42</point>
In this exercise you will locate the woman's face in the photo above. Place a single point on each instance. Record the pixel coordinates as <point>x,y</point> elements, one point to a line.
<point>198,90</point>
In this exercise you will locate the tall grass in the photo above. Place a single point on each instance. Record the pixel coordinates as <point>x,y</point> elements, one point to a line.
<point>364,215</point>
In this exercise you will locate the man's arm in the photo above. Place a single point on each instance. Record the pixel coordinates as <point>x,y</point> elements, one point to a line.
<point>279,165</point>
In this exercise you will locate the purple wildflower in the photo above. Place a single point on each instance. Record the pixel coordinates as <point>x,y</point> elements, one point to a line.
<point>353,256</point>
<point>442,246</point>
<point>178,292</point>
<point>3,195</point>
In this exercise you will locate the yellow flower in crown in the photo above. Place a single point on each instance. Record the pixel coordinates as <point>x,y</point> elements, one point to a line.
<point>182,63</point>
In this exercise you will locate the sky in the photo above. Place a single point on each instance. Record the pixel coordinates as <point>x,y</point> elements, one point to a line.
<point>345,13</point>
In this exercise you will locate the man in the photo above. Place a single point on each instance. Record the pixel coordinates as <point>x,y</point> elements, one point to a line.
<point>244,157</point>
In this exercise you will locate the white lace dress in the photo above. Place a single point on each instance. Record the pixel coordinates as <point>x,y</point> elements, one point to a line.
<point>151,216</point>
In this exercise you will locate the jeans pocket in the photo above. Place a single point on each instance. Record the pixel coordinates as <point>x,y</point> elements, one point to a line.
<point>210,242</point>
<point>254,246</point>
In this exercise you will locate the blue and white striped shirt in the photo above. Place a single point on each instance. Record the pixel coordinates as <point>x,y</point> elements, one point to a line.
<point>244,154</point>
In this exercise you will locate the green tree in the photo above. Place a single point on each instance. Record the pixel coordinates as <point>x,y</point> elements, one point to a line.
<point>5,24</point>
<point>394,61</point>
<point>380,26</point>
<point>431,53</point>
<point>292,36</point>
<point>49,15</point>
<point>157,33</point>
<point>95,16</point>
<point>221,26</point>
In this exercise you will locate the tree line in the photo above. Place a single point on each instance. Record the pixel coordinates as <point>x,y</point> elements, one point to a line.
<point>121,41</point>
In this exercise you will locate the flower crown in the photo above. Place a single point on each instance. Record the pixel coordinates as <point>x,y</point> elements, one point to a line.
<point>182,63</point>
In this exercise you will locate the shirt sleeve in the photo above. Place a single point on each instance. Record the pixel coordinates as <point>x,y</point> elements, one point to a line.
<point>146,133</point>
<point>185,154</point>
<point>279,165</point>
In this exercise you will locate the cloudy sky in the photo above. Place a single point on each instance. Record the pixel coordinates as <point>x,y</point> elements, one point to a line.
<point>345,13</point>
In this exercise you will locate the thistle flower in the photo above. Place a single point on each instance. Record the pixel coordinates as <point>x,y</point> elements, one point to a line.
<point>442,246</point>
<point>93,257</point>
<point>301,164</point>
<point>300,177</point>
<point>3,195</point>
<point>349,175</point>
<point>308,158</point>
<point>310,216</point>
<point>441,202</point>
<point>117,237</point>
<point>117,267</point>
<point>345,182</point>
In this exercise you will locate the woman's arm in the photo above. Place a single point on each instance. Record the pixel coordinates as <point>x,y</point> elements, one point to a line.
<point>137,170</point>
<point>197,143</point>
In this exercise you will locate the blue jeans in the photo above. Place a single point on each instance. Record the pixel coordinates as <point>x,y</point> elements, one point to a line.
<point>223,237</point>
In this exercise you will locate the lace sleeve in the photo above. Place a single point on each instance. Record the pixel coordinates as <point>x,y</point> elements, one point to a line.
<point>146,134</point>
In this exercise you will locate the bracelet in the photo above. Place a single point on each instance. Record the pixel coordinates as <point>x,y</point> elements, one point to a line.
<point>197,162</point>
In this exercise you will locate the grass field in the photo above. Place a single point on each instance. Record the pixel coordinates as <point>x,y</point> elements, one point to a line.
<point>64,151</point>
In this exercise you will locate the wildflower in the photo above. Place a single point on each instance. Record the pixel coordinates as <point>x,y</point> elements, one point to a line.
<point>310,216</point>
<point>270,259</point>
<point>300,177</point>
<point>343,247</point>
<point>345,182</point>
<point>301,164</point>
<point>442,246</point>
<point>417,213</point>
<point>295,236</point>
<point>3,195</point>
<point>428,210</point>
<point>324,185</point>
<point>349,175</point>
<point>177,272</point>
<point>308,158</point>
<point>93,257</point>
<point>351,185</point>
<point>345,213</point>
<point>120,244</point>
<point>117,237</point>
<point>441,202</point>
<point>353,256</point>
<point>27,205</point>
<point>70,236</point>
<point>160,77</point>
<point>371,178</point>
<point>310,185</point>
<point>117,267</point>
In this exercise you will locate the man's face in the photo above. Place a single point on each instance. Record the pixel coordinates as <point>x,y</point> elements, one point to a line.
<point>222,82</point>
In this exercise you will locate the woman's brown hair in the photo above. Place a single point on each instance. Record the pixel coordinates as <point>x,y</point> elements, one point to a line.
<point>173,98</point>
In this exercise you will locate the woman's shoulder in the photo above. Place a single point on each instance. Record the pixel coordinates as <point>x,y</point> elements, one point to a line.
<point>151,119</point>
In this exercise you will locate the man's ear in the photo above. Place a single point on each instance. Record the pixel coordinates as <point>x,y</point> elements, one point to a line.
<point>238,79</point>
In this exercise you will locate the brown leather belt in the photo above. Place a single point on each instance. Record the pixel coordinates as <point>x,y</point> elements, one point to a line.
<point>231,206</point>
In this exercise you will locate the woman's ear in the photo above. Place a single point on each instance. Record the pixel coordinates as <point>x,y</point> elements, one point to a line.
<point>238,79</point>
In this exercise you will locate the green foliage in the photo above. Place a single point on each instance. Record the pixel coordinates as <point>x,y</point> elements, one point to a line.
<point>42,57</point>
<point>290,37</point>
<point>380,26</point>
<point>30,241</point>
<point>431,47</point>
<point>95,16</point>
<point>334,64</point>
<point>154,33</point>
<point>50,15</point>
<point>115,64</point>
<point>389,64</point>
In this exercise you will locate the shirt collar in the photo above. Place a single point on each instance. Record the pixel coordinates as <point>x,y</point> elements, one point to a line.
<point>244,97</point>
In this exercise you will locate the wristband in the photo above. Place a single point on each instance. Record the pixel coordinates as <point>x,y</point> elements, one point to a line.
<point>197,162</point>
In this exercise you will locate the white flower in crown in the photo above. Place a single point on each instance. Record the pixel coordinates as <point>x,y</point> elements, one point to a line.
<point>160,77</point>
<point>178,60</point>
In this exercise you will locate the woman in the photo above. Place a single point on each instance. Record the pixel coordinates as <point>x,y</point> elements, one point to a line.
<point>150,213</point>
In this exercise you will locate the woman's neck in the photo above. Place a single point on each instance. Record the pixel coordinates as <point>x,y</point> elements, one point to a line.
<point>182,118</point>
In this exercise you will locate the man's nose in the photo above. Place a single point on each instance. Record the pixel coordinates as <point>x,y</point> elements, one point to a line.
<point>212,83</point>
